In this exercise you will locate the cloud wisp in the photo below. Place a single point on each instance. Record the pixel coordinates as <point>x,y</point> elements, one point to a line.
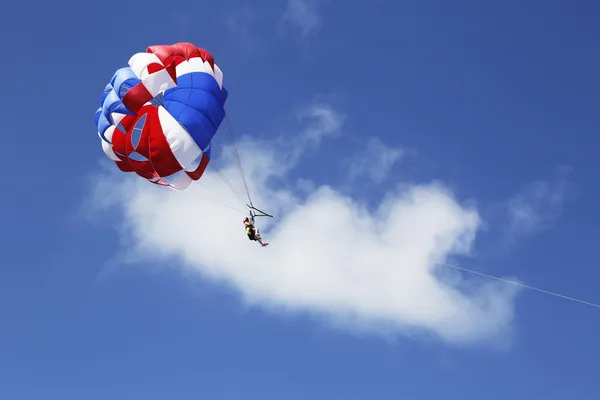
<point>538,206</point>
<point>375,161</point>
<point>366,269</point>
<point>302,16</point>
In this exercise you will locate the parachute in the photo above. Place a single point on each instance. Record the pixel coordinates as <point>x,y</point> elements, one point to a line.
<point>158,116</point>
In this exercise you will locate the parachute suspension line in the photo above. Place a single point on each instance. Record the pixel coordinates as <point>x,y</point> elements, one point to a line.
<point>236,154</point>
<point>228,151</point>
<point>254,212</point>
<point>221,204</point>
<point>519,284</point>
<point>226,206</point>
<point>234,159</point>
<point>228,183</point>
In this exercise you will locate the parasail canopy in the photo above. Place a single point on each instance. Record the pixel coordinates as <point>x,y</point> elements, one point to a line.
<point>159,115</point>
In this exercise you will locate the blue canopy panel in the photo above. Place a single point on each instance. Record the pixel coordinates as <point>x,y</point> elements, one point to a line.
<point>197,102</point>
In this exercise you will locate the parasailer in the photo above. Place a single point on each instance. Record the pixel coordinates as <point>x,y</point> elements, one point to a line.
<point>251,230</point>
<point>253,233</point>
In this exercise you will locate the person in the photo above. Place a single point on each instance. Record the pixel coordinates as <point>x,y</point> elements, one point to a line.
<point>252,232</point>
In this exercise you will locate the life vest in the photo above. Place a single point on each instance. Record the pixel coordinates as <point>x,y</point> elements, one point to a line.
<point>250,232</point>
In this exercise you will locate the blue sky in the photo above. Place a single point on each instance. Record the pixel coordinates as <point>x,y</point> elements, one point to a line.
<point>474,122</point>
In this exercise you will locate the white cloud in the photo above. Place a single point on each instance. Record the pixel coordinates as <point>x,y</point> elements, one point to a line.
<point>326,122</point>
<point>538,206</point>
<point>371,270</point>
<point>374,161</point>
<point>302,15</point>
<point>320,122</point>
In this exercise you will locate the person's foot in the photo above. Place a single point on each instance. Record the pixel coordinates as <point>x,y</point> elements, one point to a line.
<point>265,244</point>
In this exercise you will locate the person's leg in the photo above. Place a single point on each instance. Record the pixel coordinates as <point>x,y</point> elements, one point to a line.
<point>259,238</point>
